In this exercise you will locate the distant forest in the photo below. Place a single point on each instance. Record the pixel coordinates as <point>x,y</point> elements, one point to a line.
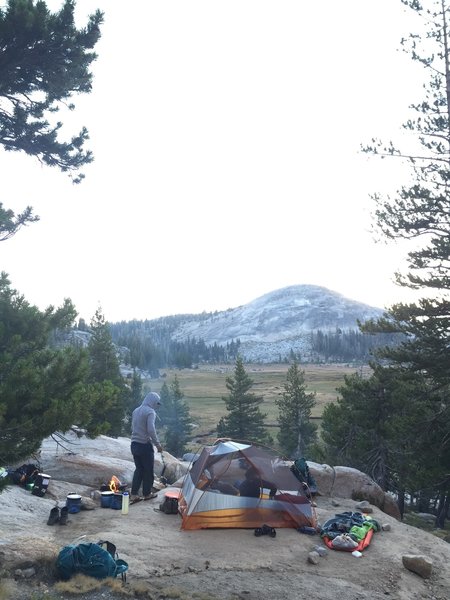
<point>347,346</point>
<point>148,345</point>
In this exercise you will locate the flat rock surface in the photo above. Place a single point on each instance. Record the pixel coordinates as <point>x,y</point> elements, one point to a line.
<point>223,564</point>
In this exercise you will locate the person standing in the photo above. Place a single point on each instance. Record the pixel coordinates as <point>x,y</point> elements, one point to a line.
<point>143,438</point>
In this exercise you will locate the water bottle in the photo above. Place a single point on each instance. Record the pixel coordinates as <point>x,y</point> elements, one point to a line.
<point>125,502</point>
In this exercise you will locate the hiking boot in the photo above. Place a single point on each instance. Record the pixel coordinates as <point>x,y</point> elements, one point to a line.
<point>64,516</point>
<point>54,516</point>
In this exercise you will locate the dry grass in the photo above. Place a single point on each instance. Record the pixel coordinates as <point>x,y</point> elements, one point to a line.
<point>205,387</point>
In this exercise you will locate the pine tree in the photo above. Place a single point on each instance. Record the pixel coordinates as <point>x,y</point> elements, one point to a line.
<point>420,212</point>
<point>297,431</point>
<point>40,388</point>
<point>44,62</point>
<point>175,418</point>
<point>383,425</point>
<point>108,393</point>
<point>134,399</point>
<point>244,421</point>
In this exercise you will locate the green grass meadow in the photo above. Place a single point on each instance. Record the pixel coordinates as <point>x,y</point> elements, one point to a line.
<point>204,388</point>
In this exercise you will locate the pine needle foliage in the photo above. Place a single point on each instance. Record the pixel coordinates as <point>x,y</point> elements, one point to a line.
<point>244,421</point>
<point>44,61</point>
<point>297,431</point>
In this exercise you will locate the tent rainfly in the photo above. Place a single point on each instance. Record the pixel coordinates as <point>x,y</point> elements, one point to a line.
<point>236,485</point>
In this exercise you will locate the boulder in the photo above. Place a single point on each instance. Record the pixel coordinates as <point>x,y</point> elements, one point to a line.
<point>92,462</point>
<point>172,469</point>
<point>345,482</point>
<point>417,563</point>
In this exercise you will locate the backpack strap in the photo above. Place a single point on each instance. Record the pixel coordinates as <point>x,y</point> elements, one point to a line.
<point>110,547</point>
<point>121,565</point>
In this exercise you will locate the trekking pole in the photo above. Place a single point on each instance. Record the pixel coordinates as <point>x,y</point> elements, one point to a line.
<point>163,479</point>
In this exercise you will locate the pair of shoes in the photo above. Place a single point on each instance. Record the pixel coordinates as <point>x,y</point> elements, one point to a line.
<point>265,530</point>
<point>54,516</point>
<point>150,496</point>
<point>58,517</point>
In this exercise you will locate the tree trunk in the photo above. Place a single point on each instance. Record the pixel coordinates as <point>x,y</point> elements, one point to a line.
<point>423,502</point>
<point>401,503</point>
<point>444,505</point>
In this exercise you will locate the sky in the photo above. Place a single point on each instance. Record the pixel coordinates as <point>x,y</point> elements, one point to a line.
<point>226,137</point>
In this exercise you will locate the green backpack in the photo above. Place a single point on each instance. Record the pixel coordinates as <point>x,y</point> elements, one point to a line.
<point>92,560</point>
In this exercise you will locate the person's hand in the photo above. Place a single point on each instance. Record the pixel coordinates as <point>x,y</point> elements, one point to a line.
<point>159,447</point>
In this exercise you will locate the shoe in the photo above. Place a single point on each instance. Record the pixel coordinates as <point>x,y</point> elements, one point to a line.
<point>135,499</point>
<point>265,530</point>
<point>54,516</point>
<point>268,530</point>
<point>64,516</point>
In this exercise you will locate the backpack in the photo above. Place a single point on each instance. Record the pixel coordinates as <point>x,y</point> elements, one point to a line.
<point>92,560</point>
<point>301,470</point>
<point>24,474</point>
<point>169,506</point>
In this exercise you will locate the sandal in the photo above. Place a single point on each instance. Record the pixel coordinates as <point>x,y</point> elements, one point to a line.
<point>135,500</point>
<point>150,496</point>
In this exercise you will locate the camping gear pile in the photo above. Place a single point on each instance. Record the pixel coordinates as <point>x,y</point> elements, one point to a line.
<point>233,484</point>
<point>349,531</point>
<point>28,476</point>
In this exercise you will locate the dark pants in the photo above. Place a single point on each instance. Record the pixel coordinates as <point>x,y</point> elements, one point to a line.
<point>144,459</point>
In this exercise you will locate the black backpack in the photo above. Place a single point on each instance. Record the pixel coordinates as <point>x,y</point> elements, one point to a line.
<point>24,474</point>
<point>169,506</point>
<point>301,470</point>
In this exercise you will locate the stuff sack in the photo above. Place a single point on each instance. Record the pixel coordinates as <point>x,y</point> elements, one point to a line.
<point>90,559</point>
<point>169,506</point>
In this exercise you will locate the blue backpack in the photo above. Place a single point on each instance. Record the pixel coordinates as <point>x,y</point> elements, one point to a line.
<point>92,560</point>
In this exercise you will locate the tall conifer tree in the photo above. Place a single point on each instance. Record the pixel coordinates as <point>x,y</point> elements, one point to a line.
<point>297,431</point>
<point>107,391</point>
<point>40,388</point>
<point>175,418</point>
<point>244,421</point>
<point>420,212</point>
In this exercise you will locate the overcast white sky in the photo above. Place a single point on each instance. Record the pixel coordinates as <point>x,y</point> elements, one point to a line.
<point>226,138</point>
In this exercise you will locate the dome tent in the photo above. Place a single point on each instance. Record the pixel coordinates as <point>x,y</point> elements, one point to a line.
<point>242,485</point>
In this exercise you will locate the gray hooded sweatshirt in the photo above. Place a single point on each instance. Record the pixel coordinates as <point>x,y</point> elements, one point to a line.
<point>143,420</point>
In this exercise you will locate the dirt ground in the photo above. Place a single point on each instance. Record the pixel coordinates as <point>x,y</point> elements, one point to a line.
<point>221,564</point>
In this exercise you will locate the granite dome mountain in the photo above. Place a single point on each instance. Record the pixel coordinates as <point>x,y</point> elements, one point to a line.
<point>273,325</point>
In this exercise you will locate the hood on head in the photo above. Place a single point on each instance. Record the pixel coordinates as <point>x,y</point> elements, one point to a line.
<point>152,399</point>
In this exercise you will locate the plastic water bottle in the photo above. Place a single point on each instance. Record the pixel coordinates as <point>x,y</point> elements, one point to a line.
<point>125,502</point>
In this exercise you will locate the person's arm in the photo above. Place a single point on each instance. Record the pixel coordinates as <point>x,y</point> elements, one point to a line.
<point>151,431</point>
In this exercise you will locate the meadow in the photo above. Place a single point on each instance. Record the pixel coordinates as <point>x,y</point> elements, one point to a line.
<point>204,388</point>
